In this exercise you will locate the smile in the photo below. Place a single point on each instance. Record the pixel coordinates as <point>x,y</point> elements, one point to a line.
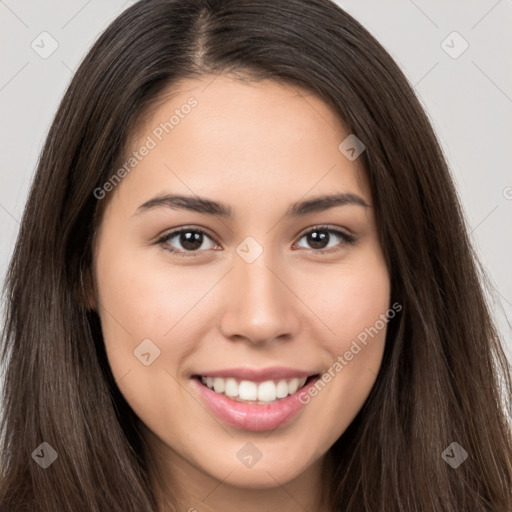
<point>253,405</point>
<point>247,391</point>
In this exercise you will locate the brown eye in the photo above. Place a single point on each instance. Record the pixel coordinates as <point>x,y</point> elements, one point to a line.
<point>319,239</point>
<point>186,240</point>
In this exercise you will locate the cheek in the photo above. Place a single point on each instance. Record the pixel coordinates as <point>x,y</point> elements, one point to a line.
<point>139,301</point>
<point>351,298</point>
<point>352,302</point>
<point>144,299</point>
<point>140,305</point>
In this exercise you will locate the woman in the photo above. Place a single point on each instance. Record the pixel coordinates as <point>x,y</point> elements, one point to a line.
<point>243,281</point>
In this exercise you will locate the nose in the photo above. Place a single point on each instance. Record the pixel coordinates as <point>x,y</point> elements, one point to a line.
<point>259,306</point>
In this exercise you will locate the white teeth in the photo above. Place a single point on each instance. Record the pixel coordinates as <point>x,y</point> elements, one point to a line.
<point>267,391</point>
<point>218,385</point>
<point>248,390</point>
<point>282,389</point>
<point>230,388</point>
<point>293,385</point>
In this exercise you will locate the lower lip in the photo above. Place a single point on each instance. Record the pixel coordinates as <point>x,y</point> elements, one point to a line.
<point>256,418</point>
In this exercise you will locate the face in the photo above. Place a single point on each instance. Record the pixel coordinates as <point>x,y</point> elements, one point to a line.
<point>263,286</point>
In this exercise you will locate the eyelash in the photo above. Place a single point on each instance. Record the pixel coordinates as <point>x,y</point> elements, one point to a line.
<point>347,240</point>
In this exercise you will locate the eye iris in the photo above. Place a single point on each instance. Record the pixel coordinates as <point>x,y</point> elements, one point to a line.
<point>191,240</point>
<point>318,239</point>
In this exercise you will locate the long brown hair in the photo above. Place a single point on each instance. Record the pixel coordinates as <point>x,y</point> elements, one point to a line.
<point>444,376</point>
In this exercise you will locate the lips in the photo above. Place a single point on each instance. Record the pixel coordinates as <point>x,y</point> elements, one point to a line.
<point>269,397</point>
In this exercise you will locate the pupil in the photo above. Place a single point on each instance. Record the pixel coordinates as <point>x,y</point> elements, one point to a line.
<point>191,240</point>
<point>318,239</point>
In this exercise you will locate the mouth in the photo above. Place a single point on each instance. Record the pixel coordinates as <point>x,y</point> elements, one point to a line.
<point>255,393</point>
<point>254,405</point>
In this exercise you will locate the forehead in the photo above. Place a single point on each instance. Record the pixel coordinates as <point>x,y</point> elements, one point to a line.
<point>219,136</point>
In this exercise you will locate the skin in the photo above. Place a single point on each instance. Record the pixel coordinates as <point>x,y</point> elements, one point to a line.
<point>258,147</point>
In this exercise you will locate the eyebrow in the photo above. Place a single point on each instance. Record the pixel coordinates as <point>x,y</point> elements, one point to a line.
<point>210,207</point>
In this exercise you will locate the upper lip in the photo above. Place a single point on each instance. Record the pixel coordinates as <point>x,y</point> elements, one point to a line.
<point>258,374</point>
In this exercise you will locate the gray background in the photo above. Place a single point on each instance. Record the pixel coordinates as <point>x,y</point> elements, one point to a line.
<point>468,99</point>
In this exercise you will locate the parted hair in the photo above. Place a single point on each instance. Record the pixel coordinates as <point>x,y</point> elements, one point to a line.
<point>444,376</point>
